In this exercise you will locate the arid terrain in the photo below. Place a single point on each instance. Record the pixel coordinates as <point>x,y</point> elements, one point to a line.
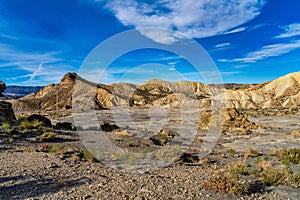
<point>158,140</point>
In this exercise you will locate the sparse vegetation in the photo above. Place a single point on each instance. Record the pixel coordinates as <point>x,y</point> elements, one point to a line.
<point>238,167</point>
<point>25,124</point>
<point>295,133</point>
<point>55,149</point>
<point>272,176</point>
<point>88,156</point>
<point>7,127</point>
<point>61,182</point>
<point>47,136</point>
<point>224,181</point>
<point>251,153</point>
<point>230,152</point>
<point>287,157</point>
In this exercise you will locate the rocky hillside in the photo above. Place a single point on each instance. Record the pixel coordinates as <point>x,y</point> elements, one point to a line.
<point>283,92</point>
<point>50,97</point>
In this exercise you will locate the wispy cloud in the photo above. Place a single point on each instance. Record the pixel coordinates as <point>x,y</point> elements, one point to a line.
<point>237,30</point>
<point>195,19</point>
<point>222,45</point>
<point>291,30</point>
<point>273,50</point>
<point>39,67</point>
<point>266,52</point>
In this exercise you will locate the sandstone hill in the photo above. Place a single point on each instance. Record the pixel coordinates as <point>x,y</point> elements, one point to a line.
<point>283,92</point>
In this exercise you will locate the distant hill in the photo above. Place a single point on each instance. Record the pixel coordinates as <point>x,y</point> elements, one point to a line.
<point>283,92</point>
<point>232,86</point>
<point>15,91</point>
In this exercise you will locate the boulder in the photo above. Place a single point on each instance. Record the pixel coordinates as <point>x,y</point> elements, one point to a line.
<point>163,137</point>
<point>2,87</point>
<point>6,112</point>
<point>45,120</point>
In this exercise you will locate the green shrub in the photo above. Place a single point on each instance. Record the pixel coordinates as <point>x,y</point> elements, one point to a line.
<point>251,153</point>
<point>230,152</point>
<point>287,157</point>
<point>238,167</point>
<point>271,176</point>
<point>88,156</point>
<point>55,149</point>
<point>7,128</point>
<point>26,124</point>
<point>223,182</point>
<point>47,136</point>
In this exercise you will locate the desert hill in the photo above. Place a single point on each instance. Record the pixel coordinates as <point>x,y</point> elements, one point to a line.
<point>283,92</point>
<point>280,93</point>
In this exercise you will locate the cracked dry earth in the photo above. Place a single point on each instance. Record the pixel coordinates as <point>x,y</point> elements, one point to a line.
<point>28,174</point>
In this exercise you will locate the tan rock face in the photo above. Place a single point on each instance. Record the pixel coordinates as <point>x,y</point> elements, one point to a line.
<point>231,119</point>
<point>2,87</point>
<point>280,93</point>
<point>68,79</point>
<point>283,92</point>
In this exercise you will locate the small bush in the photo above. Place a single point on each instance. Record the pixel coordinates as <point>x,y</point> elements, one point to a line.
<point>7,128</point>
<point>61,182</point>
<point>47,136</point>
<point>36,123</point>
<point>88,156</point>
<point>251,153</point>
<point>271,176</point>
<point>238,167</point>
<point>224,182</point>
<point>287,157</point>
<point>25,124</point>
<point>55,149</point>
<point>230,152</point>
<point>295,133</point>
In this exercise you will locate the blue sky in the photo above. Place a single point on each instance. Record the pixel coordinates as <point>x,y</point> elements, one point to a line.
<point>250,41</point>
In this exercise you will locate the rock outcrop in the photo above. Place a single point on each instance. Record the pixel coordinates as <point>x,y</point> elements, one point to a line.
<point>2,88</point>
<point>6,112</point>
<point>230,118</point>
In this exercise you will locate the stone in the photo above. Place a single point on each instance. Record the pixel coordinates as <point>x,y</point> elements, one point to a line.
<point>2,87</point>
<point>163,137</point>
<point>40,118</point>
<point>6,112</point>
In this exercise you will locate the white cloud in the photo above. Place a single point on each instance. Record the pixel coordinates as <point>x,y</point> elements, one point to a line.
<point>40,66</point>
<point>222,45</point>
<point>195,19</point>
<point>291,30</point>
<point>266,52</point>
<point>237,30</point>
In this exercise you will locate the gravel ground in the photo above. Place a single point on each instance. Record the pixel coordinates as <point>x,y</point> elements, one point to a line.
<point>28,174</point>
